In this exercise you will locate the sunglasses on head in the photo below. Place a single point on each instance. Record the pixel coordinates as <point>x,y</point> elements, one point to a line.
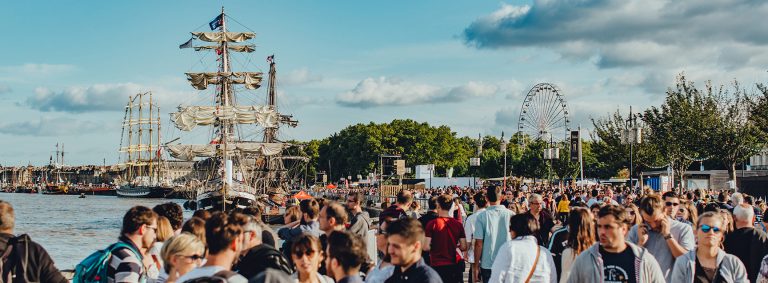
<point>706,228</point>
<point>669,203</point>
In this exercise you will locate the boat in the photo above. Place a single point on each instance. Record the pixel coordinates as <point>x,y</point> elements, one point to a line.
<point>96,190</point>
<point>55,169</point>
<point>140,146</point>
<point>238,167</point>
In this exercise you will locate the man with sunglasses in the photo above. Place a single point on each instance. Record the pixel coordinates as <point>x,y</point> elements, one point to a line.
<point>747,243</point>
<point>258,256</point>
<point>359,220</point>
<point>139,231</point>
<point>664,237</point>
<point>671,203</point>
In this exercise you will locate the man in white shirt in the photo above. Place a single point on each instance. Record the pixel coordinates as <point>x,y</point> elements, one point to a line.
<point>469,229</point>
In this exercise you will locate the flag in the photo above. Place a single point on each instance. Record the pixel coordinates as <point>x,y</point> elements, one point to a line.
<point>187,44</point>
<point>216,23</point>
<point>218,51</point>
<point>271,58</point>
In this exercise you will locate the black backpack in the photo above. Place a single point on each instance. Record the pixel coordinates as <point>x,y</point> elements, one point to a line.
<point>12,263</point>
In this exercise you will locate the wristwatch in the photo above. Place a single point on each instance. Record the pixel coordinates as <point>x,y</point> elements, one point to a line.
<point>668,236</point>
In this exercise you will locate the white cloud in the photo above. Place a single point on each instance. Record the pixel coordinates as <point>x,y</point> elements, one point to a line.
<point>5,89</point>
<point>47,126</point>
<point>384,91</point>
<point>631,33</point>
<point>300,76</point>
<point>100,97</point>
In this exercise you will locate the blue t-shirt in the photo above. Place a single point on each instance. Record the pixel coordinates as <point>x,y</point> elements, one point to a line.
<point>492,226</point>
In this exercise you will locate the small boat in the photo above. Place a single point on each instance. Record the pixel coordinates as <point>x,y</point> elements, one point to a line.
<point>82,195</point>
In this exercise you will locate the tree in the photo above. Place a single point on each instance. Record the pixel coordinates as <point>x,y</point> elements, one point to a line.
<point>737,134</point>
<point>681,128</point>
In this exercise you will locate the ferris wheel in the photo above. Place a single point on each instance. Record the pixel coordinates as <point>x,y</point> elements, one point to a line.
<point>544,114</point>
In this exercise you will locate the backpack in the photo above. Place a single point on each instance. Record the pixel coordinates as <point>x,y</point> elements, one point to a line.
<point>94,267</point>
<point>223,276</point>
<point>11,261</point>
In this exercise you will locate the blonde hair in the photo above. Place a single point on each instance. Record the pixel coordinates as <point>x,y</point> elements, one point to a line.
<point>164,229</point>
<point>184,243</point>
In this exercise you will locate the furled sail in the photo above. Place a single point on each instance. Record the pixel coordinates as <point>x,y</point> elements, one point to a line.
<point>235,48</point>
<point>251,80</point>
<point>224,36</point>
<point>189,152</point>
<point>188,117</point>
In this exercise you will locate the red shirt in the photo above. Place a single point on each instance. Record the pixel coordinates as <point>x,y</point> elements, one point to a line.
<point>445,233</point>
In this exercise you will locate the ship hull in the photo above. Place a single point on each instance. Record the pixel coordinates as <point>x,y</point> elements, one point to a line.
<point>215,201</point>
<point>99,191</point>
<point>130,191</point>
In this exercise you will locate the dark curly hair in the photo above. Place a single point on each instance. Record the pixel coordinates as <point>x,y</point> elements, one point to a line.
<point>222,229</point>
<point>173,212</point>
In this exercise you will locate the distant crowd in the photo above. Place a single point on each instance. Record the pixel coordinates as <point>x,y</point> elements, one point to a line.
<point>492,234</point>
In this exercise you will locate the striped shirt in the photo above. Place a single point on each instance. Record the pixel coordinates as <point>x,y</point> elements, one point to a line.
<point>125,265</point>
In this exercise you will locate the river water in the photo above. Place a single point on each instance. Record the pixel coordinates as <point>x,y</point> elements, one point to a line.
<point>71,228</point>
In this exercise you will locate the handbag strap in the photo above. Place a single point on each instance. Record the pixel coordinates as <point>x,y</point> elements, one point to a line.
<point>536,261</point>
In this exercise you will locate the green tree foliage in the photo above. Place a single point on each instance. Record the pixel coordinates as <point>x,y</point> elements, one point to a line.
<point>356,149</point>
<point>723,124</point>
<point>737,134</point>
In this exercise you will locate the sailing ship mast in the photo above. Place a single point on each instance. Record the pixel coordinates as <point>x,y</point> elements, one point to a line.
<point>228,150</point>
<point>138,163</point>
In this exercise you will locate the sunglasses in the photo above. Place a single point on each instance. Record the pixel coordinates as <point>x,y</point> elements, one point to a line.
<point>631,212</point>
<point>672,203</point>
<point>706,228</point>
<point>193,257</point>
<point>307,253</point>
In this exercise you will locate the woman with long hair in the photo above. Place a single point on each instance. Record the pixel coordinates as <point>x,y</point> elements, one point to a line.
<point>727,221</point>
<point>307,256</point>
<point>581,235</point>
<point>164,232</point>
<point>687,213</point>
<point>708,262</point>
<point>633,214</point>
<point>181,254</point>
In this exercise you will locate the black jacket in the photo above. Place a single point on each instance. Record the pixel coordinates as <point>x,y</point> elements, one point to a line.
<point>28,258</point>
<point>258,259</point>
<point>750,246</point>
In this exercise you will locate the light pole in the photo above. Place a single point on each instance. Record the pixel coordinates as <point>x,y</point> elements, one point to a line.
<point>504,150</point>
<point>632,135</point>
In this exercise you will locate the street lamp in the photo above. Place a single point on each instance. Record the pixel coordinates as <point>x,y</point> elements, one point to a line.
<point>632,135</point>
<point>551,153</point>
<point>504,150</point>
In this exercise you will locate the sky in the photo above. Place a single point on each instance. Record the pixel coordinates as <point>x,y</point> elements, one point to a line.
<point>68,67</point>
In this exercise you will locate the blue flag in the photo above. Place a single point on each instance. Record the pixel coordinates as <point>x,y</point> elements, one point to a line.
<point>216,23</point>
<point>187,44</point>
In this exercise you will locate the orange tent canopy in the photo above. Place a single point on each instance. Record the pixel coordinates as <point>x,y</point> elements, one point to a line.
<point>301,195</point>
<point>331,186</point>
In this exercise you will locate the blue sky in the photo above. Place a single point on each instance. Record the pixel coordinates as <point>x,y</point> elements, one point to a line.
<point>67,67</point>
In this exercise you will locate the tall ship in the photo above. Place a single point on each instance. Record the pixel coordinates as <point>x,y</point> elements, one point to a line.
<point>51,181</point>
<point>140,151</point>
<point>243,159</point>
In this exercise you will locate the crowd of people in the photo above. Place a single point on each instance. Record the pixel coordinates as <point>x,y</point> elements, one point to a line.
<point>492,234</point>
